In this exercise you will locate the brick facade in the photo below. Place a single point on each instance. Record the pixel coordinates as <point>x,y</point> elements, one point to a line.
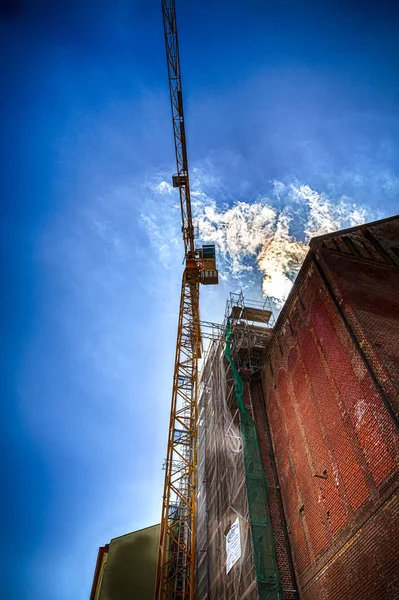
<point>331,390</point>
<point>275,507</point>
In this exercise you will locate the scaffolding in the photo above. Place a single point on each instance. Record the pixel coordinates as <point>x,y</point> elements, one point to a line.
<point>251,325</point>
<point>232,486</point>
<point>221,497</point>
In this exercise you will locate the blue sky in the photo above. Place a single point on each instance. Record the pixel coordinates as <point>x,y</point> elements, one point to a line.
<point>291,107</point>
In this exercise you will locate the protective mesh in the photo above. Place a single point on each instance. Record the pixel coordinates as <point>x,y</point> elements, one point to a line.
<point>222,496</point>
<point>267,575</point>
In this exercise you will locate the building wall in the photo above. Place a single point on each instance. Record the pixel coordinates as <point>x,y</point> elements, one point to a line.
<point>275,507</point>
<point>102,558</point>
<point>221,490</point>
<point>363,269</point>
<point>130,569</point>
<point>331,392</point>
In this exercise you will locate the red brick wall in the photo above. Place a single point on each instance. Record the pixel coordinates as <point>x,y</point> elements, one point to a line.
<point>283,558</point>
<point>334,438</point>
<point>368,290</point>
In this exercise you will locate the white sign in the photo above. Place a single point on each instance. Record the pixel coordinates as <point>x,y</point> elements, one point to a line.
<point>233,545</point>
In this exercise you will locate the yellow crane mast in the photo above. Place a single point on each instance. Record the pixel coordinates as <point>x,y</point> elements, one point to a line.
<point>175,572</point>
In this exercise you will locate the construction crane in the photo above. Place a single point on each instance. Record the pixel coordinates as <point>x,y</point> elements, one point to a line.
<point>176,557</point>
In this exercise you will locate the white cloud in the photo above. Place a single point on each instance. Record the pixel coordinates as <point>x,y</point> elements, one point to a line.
<point>279,260</point>
<point>265,238</point>
<point>164,187</point>
<point>239,231</point>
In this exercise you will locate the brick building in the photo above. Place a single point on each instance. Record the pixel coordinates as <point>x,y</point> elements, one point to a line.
<point>331,389</point>
<point>325,399</point>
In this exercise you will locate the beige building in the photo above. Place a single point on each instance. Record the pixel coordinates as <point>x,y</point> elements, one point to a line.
<point>126,567</point>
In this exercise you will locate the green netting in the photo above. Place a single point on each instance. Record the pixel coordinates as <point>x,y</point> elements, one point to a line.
<point>267,575</point>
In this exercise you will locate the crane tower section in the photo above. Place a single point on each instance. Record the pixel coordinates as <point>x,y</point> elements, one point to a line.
<point>175,572</point>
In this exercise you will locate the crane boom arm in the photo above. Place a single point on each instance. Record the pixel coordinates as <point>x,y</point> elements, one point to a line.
<point>181,179</point>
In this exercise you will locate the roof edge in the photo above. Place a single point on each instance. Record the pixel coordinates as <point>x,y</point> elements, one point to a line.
<point>281,319</point>
<point>317,240</point>
<point>314,245</point>
<point>135,531</point>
